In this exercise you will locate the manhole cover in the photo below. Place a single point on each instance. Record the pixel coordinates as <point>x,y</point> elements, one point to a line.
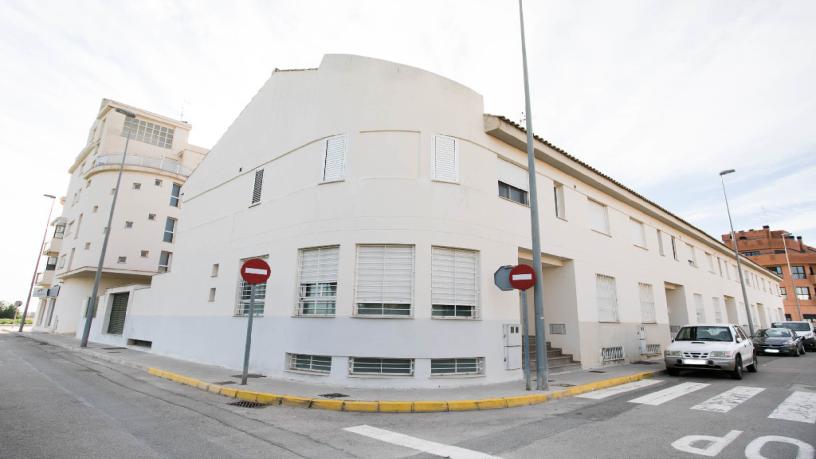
<point>247,404</point>
<point>597,371</point>
<point>333,395</point>
<point>224,383</point>
<point>251,375</point>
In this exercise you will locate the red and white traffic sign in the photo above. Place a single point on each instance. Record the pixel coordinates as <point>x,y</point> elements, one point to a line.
<point>522,277</point>
<point>255,271</point>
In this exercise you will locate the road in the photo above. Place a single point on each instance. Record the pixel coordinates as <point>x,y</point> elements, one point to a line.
<point>55,403</point>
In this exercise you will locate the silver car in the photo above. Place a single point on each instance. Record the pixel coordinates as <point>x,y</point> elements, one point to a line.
<point>723,347</point>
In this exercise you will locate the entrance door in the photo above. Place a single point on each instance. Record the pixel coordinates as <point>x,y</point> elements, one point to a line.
<point>116,324</point>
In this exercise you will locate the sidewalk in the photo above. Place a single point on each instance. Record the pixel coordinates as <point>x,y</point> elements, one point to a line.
<point>267,390</point>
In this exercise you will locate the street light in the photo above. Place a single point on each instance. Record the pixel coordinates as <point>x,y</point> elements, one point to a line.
<point>790,271</point>
<point>736,253</point>
<point>91,303</point>
<point>37,265</point>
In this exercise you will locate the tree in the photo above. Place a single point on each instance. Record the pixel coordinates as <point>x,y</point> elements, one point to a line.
<point>7,309</point>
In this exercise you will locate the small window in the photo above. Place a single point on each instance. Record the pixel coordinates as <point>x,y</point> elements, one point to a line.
<point>122,260</point>
<point>95,209</point>
<point>660,243</point>
<point>558,196</point>
<point>317,281</point>
<point>710,259</point>
<point>692,255</point>
<point>454,283</point>
<point>137,186</point>
<point>113,190</point>
<point>718,313</point>
<point>151,216</point>
<point>175,192</point>
<point>245,293</point>
<point>59,231</point>
<point>803,293</point>
<point>512,193</point>
<point>257,186</point>
<point>157,182</point>
<point>638,233</point>
<point>334,158</point>
<point>599,217</point>
<point>128,225</point>
<point>674,248</point>
<point>214,271</point>
<point>145,253</point>
<point>378,366</point>
<point>720,265</point>
<point>212,295</point>
<point>87,245</point>
<point>385,280</point>
<point>783,291</point>
<point>798,272</point>
<point>647,303</point>
<point>445,159</point>
<point>606,296</point>
<point>699,308</point>
<point>169,230</point>
<point>457,367</point>
<point>776,270</point>
<point>311,363</point>
<point>164,261</point>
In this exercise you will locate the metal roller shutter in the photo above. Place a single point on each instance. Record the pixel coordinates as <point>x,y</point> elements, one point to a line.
<point>116,324</point>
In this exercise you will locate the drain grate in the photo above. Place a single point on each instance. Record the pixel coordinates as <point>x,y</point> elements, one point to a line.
<point>597,371</point>
<point>644,362</point>
<point>114,352</point>
<point>564,385</point>
<point>112,348</point>
<point>250,375</point>
<point>224,383</point>
<point>248,404</point>
<point>333,395</point>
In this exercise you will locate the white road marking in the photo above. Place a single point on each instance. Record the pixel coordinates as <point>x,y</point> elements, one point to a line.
<point>663,396</point>
<point>803,450</point>
<point>437,449</point>
<point>728,400</point>
<point>604,393</point>
<point>705,445</point>
<point>799,407</point>
<point>255,271</point>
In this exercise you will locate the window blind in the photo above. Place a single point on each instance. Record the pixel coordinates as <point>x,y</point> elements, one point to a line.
<point>334,159</point>
<point>445,159</point>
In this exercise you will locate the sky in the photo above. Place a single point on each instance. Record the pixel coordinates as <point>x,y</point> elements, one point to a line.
<point>660,95</point>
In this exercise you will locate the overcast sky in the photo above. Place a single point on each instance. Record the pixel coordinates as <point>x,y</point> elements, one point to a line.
<point>660,95</point>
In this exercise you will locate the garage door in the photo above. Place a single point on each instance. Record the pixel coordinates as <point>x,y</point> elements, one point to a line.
<point>117,315</point>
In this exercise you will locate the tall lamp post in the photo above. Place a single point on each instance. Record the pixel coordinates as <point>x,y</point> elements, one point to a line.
<point>91,304</point>
<point>790,271</point>
<point>37,265</point>
<point>538,293</point>
<point>736,253</point>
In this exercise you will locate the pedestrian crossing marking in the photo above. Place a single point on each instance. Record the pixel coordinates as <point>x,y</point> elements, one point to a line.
<point>623,388</point>
<point>728,400</point>
<point>665,395</point>
<point>430,447</point>
<point>799,406</point>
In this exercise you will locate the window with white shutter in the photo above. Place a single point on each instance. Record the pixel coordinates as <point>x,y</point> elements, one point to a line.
<point>334,159</point>
<point>607,298</point>
<point>385,280</point>
<point>599,217</point>
<point>718,315</point>
<point>699,307</point>
<point>647,303</point>
<point>257,186</point>
<point>445,160</point>
<point>317,281</point>
<point>454,283</point>
<point>638,233</point>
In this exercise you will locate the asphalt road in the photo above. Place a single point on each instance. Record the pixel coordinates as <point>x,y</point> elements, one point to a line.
<point>55,403</point>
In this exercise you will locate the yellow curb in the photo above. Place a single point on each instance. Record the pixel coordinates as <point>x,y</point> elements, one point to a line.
<point>334,405</point>
<point>228,392</point>
<point>214,389</point>
<point>360,406</point>
<point>291,400</point>
<point>518,400</point>
<point>430,406</point>
<point>269,399</point>
<point>396,407</point>
<point>491,403</point>
<point>247,395</point>
<point>462,405</point>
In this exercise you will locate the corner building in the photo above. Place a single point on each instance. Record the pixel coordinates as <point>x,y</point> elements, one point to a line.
<point>383,199</point>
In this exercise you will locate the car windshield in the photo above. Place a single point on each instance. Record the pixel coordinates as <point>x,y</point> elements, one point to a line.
<point>798,326</point>
<point>775,333</point>
<point>703,333</point>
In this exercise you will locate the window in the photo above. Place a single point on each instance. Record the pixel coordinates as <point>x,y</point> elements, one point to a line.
<point>798,272</point>
<point>378,366</point>
<point>454,282</point>
<point>151,216</point>
<point>61,261</point>
<point>212,295</point>
<point>727,271</point>
<point>599,217</point>
<point>137,186</point>
<point>95,208</point>
<point>175,192</point>
<point>334,158</point>
<point>147,132</point>
<point>122,260</point>
<point>310,363</point>
<point>113,190</point>
<point>607,298</point>
<point>169,229</point>
<point>783,291</point>
<point>512,193</point>
<point>674,248</point>
<point>145,253</point>
<point>51,263</point>
<point>718,315</point>
<point>257,186</point>
<point>699,308</point>
<point>445,160</point>
<point>692,255</point>
<point>59,231</point>
<point>660,243</point>
<point>710,259</point>
<point>638,233</point>
<point>803,293</point>
<point>751,253</point>
<point>647,303</point>
<point>776,270</point>
<point>157,182</point>
<point>165,258</point>
<point>719,266</point>
<point>558,196</point>
<point>244,293</point>
<point>79,224</point>
<point>317,281</point>
<point>128,225</point>
<point>385,280</point>
<point>458,367</point>
<point>214,272</point>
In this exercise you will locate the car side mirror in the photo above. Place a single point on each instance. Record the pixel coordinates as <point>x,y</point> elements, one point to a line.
<point>739,340</point>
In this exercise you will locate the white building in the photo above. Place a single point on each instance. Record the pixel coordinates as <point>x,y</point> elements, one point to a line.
<point>158,162</point>
<point>384,199</point>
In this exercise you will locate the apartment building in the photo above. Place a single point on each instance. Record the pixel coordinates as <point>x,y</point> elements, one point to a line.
<point>767,248</point>
<point>384,198</point>
<point>159,160</point>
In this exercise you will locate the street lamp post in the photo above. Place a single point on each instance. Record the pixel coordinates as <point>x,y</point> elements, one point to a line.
<point>790,271</point>
<point>736,253</point>
<point>37,265</point>
<point>91,303</point>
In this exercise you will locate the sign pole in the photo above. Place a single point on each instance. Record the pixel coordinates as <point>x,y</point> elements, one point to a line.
<point>248,334</point>
<point>525,343</point>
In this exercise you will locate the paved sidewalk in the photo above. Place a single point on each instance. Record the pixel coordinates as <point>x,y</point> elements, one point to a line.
<point>583,381</point>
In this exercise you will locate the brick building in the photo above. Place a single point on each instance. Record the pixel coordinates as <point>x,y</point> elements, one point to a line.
<point>767,248</point>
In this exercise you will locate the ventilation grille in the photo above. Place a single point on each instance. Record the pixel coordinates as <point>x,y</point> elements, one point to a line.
<point>652,349</point>
<point>558,329</point>
<point>612,354</point>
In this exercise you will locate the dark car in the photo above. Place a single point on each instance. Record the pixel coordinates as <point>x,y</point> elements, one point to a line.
<point>779,341</point>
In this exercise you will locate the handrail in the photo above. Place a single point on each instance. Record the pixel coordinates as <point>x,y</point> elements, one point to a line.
<point>165,164</point>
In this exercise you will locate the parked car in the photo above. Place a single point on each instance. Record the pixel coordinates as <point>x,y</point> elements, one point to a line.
<point>778,341</point>
<point>802,328</point>
<point>723,347</point>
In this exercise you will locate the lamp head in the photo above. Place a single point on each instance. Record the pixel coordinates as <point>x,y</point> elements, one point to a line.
<point>727,171</point>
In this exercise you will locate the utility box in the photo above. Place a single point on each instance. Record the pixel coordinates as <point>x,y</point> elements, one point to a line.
<point>512,346</point>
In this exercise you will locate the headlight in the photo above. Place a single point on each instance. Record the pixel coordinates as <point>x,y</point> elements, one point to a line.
<point>674,353</point>
<point>721,354</point>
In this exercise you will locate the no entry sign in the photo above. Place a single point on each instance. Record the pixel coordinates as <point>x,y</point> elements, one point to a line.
<point>255,271</point>
<point>522,277</point>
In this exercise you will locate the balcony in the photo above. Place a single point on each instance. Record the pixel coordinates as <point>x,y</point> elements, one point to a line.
<point>164,164</point>
<point>45,278</point>
<point>53,246</point>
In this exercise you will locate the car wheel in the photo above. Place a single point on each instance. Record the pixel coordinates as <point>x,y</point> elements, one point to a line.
<point>796,352</point>
<point>801,350</point>
<point>673,371</point>
<point>754,366</point>
<point>737,373</point>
